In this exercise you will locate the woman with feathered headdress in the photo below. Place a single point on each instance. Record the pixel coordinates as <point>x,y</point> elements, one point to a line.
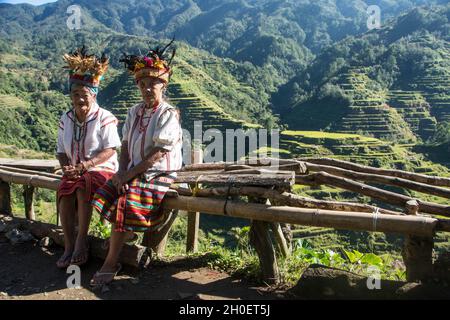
<point>151,152</point>
<point>87,142</point>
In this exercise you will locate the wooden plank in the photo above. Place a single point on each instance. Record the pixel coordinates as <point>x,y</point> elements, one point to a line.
<point>31,164</point>
<point>284,180</point>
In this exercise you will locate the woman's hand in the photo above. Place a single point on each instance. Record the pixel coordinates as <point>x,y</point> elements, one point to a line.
<point>120,181</point>
<point>70,172</point>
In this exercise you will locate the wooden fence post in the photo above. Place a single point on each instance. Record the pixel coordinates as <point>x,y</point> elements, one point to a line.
<point>262,242</point>
<point>28,197</point>
<point>418,251</point>
<point>157,239</point>
<point>5,198</point>
<point>194,217</point>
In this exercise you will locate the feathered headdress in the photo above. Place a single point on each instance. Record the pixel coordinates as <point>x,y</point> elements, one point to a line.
<point>86,69</point>
<point>154,64</point>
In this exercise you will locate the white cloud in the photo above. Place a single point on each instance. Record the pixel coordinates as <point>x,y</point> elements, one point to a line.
<point>33,2</point>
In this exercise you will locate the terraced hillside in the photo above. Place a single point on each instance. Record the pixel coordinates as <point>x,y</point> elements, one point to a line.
<point>434,83</point>
<point>369,113</point>
<point>122,94</point>
<point>415,110</point>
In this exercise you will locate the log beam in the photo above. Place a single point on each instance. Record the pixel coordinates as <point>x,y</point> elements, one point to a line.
<point>360,221</point>
<point>417,177</point>
<point>323,178</point>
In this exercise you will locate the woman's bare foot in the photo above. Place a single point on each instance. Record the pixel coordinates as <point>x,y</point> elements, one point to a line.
<point>65,260</point>
<point>81,254</point>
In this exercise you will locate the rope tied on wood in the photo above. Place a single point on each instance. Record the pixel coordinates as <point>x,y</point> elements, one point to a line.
<point>375,218</point>
<point>196,189</point>
<point>230,184</point>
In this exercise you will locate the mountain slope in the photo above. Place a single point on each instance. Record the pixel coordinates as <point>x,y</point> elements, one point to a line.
<point>392,81</point>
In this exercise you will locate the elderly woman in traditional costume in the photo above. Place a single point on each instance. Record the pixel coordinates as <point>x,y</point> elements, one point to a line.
<point>87,142</point>
<point>150,153</point>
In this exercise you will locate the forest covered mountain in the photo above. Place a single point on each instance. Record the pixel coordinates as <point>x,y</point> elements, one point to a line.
<point>241,63</point>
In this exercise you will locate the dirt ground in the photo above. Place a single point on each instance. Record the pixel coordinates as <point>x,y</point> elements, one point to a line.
<point>28,272</point>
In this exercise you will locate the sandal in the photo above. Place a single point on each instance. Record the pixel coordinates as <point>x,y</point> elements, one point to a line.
<point>65,261</point>
<point>84,254</point>
<point>111,275</point>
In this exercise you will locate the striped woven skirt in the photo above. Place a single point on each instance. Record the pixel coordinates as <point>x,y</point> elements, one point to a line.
<point>139,210</point>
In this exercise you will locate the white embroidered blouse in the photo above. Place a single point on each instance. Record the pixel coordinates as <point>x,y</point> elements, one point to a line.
<point>83,141</point>
<point>147,128</point>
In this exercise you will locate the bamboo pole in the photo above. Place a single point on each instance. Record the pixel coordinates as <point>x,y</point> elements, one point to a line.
<point>31,172</point>
<point>323,178</point>
<point>37,181</point>
<point>286,198</point>
<point>375,178</point>
<point>310,217</point>
<point>417,177</point>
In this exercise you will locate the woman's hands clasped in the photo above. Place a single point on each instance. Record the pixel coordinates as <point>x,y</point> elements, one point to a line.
<point>120,182</point>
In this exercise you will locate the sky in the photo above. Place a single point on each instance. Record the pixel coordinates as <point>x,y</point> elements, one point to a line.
<point>33,2</point>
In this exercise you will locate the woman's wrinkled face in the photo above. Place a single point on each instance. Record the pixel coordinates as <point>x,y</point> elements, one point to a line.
<point>82,98</point>
<point>151,89</point>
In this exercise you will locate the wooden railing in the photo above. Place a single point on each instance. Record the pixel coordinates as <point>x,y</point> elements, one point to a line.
<point>271,205</point>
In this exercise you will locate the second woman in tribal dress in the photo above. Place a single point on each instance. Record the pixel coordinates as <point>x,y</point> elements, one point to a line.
<point>151,152</point>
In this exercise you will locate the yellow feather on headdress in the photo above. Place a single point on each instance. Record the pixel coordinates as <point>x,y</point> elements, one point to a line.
<point>81,63</point>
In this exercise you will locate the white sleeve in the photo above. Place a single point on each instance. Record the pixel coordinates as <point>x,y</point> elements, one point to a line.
<point>168,130</point>
<point>126,126</point>
<point>60,144</point>
<point>109,133</point>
